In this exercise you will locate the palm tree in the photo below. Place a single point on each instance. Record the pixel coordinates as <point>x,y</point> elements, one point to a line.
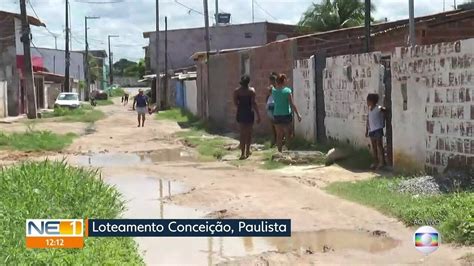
<point>333,14</point>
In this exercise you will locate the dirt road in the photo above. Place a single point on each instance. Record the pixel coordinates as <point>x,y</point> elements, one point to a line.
<point>160,179</point>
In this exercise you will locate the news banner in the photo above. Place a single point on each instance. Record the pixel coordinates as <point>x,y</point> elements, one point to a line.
<point>70,233</point>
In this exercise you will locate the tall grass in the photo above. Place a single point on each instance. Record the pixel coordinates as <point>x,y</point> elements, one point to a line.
<point>83,114</point>
<point>55,190</point>
<point>117,92</point>
<point>33,140</point>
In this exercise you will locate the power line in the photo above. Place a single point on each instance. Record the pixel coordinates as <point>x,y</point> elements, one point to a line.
<point>100,2</point>
<point>264,10</point>
<point>190,9</point>
<point>38,17</point>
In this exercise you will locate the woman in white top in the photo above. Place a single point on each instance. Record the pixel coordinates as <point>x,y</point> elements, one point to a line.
<point>374,130</point>
<point>271,105</point>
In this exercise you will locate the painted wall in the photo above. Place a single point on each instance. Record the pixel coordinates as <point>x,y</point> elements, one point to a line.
<point>433,106</point>
<point>191,96</point>
<point>348,80</point>
<point>3,99</point>
<point>305,98</point>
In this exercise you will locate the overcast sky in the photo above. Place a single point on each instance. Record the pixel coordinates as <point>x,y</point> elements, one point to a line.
<point>131,18</point>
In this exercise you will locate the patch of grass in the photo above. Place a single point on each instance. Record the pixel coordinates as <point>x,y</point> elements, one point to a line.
<point>84,114</point>
<point>268,163</point>
<point>104,102</point>
<point>468,258</point>
<point>55,190</point>
<point>178,115</point>
<point>33,140</point>
<point>208,146</point>
<point>454,211</point>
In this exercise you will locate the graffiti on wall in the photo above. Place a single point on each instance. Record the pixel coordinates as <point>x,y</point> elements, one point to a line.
<point>305,98</point>
<point>347,82</point>
<point>443,77</point>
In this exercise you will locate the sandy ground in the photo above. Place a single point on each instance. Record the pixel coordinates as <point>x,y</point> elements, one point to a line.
<point>217,189</point>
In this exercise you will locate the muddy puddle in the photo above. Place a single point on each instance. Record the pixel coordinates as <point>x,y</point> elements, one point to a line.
<point>149,197</point>
<point>129,159</point>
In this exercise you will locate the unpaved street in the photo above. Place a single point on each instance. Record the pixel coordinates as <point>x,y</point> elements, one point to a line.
<point>160,178</point>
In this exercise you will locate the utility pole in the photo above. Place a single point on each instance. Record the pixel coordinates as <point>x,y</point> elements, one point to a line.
<point>111,68</point>
<point>411,10</point>
<point>217,13</point>
<point>55,42</point>
<point>86,69</point>
<point>367,25</point>
<point>166,58</point>
<point>67,54</point>
<point>208,49</point>
<point>253,11</point>
<point>157,48</point>
<point>455,6</point>
<point>28,68</point>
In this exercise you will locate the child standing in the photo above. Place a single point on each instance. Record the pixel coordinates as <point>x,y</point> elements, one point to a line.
<point>374,130</point>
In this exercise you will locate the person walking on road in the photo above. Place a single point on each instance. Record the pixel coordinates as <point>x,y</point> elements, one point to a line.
<point>244,100</point>
<point>282,113</point>
<point>141,101</point>
<point>271,105</point>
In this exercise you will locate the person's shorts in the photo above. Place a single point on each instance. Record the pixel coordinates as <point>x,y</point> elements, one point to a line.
<point>377,134</point>
<point>142,110</point>
<point>282,119</point>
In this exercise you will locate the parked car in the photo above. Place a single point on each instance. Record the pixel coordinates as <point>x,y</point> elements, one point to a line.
<point>67,100</point>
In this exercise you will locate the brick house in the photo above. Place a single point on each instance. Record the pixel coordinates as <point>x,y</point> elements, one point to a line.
<point>11,60</point>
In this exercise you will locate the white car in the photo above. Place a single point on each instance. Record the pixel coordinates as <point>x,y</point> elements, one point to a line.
<point>67,100</point>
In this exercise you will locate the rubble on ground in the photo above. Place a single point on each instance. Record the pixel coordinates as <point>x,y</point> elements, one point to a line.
<point>299,157</point>
<point>335,154</point>
<point>424,185</point>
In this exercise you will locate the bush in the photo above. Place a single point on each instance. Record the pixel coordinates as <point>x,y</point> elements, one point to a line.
<point>55,190</point>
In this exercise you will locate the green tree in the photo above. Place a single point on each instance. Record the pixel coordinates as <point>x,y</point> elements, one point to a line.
<point>332,15</point>
<point>126,68</point>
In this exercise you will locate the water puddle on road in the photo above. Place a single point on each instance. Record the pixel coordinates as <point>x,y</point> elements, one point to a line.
<point>129,159</point>
<point>148,197</point>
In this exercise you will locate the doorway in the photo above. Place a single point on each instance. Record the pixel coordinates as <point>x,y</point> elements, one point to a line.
<point>386,62</point>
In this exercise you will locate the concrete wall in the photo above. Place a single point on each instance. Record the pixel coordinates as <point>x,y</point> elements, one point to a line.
<point>190,88</point>
<point>433,106</point>
<point>8,70</point>
<point>53,60</point>
<point>3,99</point>
<point>305,98</point>
<point>347,82</point>
<point>52,91</point>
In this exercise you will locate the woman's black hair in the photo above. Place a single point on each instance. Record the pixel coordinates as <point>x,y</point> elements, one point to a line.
<point>373,97</point>
<point>273,76</point>
<point>245,80</point>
